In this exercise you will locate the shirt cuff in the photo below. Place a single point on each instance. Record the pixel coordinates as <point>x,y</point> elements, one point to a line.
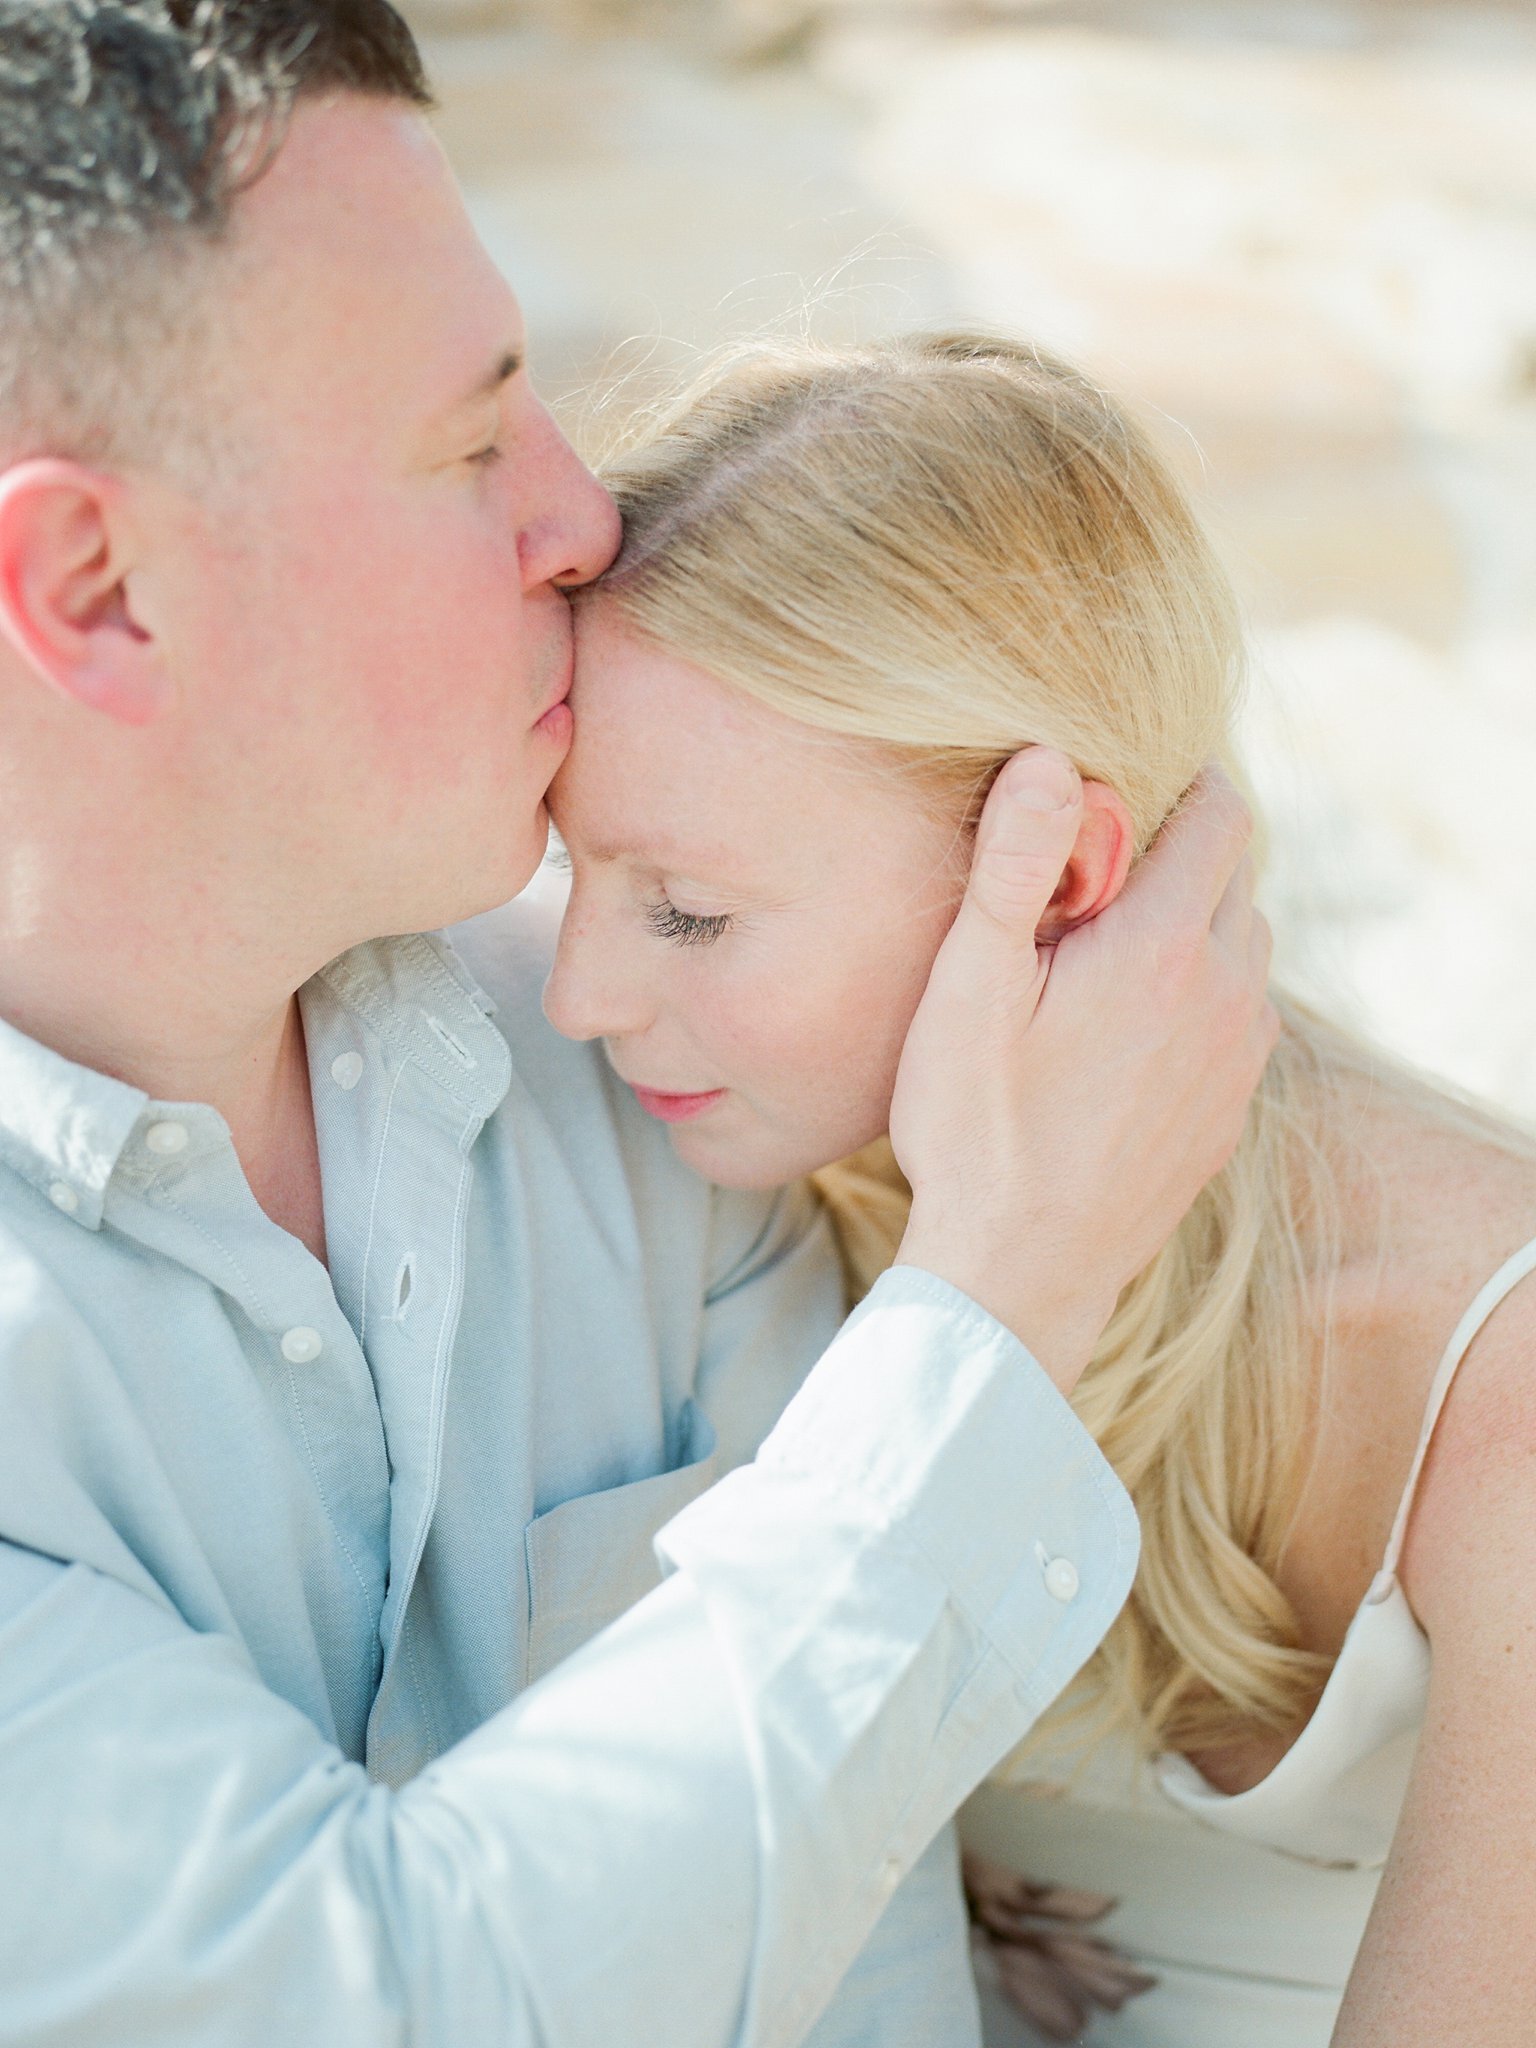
<point>931,1410</point>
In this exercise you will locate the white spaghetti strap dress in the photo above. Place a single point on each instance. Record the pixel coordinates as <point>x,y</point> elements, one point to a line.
<point>1248,1908</point>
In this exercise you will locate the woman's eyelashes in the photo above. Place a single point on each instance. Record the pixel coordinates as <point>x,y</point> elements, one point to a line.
<point>684,927</point>
<point>664,919</point>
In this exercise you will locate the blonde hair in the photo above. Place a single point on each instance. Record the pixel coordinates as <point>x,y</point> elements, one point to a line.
<point>949,547</point>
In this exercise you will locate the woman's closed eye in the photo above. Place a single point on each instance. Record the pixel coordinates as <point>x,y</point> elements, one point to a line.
<point>685,927</point>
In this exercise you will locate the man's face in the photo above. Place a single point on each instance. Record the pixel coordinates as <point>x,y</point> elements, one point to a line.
<point>362,609</point>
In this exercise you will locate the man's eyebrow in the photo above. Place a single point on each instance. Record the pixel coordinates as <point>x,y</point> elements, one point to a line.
<point>507,367</point>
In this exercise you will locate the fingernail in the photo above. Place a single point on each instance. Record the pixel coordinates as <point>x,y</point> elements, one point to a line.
<point>1042,780</point>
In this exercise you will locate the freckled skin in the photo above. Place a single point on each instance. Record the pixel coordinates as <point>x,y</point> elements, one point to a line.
<point>839,883</point>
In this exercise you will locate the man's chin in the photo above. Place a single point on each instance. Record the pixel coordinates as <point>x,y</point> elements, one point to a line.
<point>529,858</point>
<point>497,881</point>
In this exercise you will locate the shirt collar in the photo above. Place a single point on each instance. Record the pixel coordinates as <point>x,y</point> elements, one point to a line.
<point>419,997</point>
<point>64,1127</point>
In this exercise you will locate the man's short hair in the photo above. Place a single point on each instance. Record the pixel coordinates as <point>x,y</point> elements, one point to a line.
<point>127,128</point>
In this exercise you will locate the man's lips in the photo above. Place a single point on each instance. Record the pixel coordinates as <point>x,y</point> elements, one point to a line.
<point>675,1109</point>
<point>557,723</point>
<point>556,719</point>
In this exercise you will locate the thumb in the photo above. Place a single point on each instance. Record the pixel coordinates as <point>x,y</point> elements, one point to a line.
<point>1024,841</point>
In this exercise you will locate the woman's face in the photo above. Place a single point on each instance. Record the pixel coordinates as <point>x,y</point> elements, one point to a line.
<point>754,910</point>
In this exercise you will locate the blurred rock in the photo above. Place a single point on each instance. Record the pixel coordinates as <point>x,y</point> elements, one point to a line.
<point>645,207</point>
<point>1339,236</point>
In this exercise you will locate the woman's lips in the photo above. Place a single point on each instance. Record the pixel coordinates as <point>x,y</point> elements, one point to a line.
<point>675,1109</point>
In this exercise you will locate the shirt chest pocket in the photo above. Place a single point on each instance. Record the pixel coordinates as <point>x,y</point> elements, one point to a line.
<point>590,1559</point>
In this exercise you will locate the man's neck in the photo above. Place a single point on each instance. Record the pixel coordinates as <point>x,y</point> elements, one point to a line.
<point>251,1066</point>
<point>276,1141</point>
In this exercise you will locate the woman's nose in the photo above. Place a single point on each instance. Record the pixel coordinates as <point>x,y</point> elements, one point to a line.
<point>589,994</point>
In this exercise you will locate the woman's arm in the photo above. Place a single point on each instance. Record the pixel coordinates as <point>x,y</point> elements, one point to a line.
<point>1449,1956</point>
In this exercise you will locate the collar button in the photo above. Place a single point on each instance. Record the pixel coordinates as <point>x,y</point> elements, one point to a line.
<point>166,1140</point>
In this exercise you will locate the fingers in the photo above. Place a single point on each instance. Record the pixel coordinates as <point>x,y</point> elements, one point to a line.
<point>1098,1973</point>
<point>1036,1991</point>
<point>1026,836</point>
<point>1188,870</point>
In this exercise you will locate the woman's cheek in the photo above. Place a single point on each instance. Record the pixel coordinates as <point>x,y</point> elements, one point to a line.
<point>788,1022</point>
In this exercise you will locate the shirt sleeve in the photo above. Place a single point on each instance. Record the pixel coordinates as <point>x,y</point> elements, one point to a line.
<point>992,1546</point>
<point>913,1984</point>
<point>697,1819</point>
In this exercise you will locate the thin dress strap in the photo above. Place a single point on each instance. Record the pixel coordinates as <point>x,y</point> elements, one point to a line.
<point>1482,1306</point>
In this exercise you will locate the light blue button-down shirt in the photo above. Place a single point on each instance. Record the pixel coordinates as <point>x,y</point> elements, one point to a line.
<point>279,1544</point>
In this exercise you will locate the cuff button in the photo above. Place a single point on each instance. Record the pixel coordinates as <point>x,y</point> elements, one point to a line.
<point>1061,1579</point>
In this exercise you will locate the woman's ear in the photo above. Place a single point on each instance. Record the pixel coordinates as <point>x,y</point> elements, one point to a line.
<point>1100,862</point>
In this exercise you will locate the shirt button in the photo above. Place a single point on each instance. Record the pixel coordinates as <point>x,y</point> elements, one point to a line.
<point>302,1346</point>
<point>890,1875</point>
<point>347,1070</point>
<point>166,1139</point>
<point>63,1196</point>
<point>1061,1579</point>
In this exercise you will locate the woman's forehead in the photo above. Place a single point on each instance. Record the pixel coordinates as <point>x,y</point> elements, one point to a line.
<point>670,763</point>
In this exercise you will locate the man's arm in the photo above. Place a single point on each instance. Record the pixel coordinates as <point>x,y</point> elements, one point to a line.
<point>698,1816</point>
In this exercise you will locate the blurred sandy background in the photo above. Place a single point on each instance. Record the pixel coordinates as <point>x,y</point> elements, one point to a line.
<point>1301,234</point>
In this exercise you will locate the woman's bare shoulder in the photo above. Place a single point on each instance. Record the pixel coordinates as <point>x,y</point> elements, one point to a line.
<point>1428,1211</point>
<point>1437,1207</point>
<point>1429,1208</point>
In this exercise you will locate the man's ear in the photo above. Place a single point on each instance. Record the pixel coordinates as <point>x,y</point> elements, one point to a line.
<point>1100,862</point>
<point>64,599</point>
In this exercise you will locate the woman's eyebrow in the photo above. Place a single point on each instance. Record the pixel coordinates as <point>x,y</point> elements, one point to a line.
<point>658,850</point>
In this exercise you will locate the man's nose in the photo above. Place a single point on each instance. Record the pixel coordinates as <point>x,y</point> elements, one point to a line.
<point>573,532</point>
